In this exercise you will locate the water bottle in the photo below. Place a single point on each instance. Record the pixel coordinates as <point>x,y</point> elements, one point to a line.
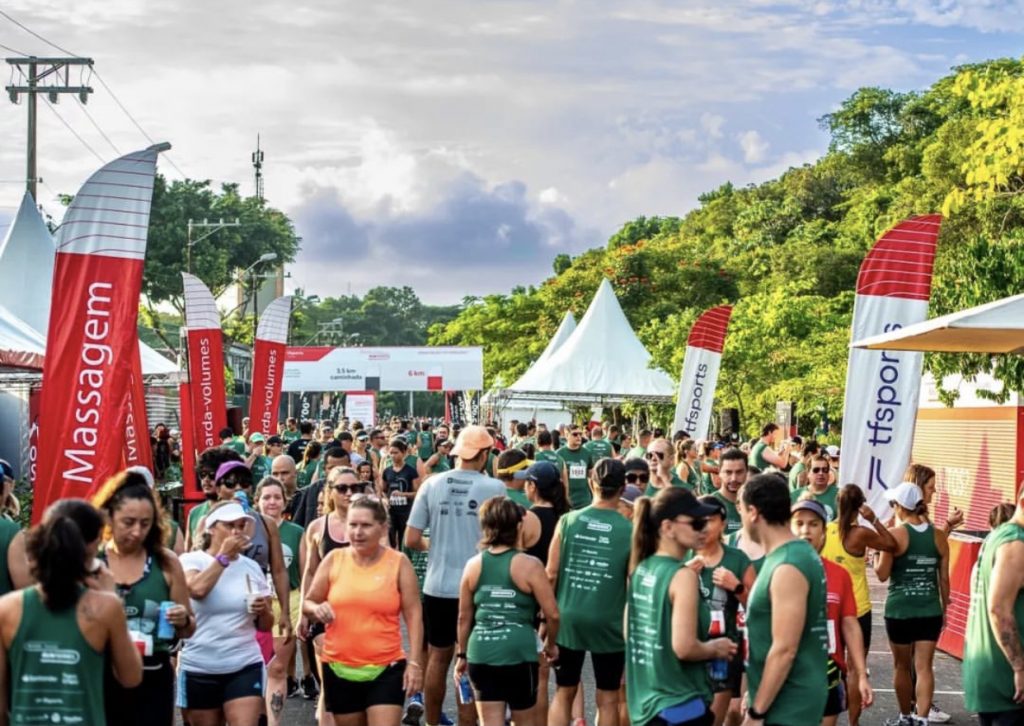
<point>718,668</point>
<point>164,629</point>
<point>465,690</point>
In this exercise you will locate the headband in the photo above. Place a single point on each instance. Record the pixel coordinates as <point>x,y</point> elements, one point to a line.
<point>515,467</point>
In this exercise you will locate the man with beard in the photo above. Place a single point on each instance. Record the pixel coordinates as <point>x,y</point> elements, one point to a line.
<point>732,473</point>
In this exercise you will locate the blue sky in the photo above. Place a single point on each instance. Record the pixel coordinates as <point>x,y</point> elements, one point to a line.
<point>458,146</point>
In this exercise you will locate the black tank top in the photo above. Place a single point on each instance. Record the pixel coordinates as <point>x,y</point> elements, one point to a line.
<point>327,542</point>
<point>548,522</point>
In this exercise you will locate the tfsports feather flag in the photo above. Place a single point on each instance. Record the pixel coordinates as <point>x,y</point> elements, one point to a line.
<point>880,406</point>
<point>700,372</point>
<point>205,364</point>
<point>97,278</point>
<point>268,366</point>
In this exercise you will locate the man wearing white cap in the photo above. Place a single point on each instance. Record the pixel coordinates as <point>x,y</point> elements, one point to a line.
<point>448,503</point>
<point>993,673</point>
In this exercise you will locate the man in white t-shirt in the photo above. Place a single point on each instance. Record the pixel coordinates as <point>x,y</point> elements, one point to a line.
<point>449,504</point>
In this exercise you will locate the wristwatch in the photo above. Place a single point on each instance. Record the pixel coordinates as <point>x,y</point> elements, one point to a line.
<point>739,589</point>
<point>755,715</point>
<point>224,560</point>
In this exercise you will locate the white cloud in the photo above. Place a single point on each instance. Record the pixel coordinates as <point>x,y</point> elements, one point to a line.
<point>712,124</point>
<point>755,148</point>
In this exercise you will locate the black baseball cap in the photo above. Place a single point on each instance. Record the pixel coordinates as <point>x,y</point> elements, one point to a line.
<point>275,440</point>
<point>540,472</point>
<point>717,503</point>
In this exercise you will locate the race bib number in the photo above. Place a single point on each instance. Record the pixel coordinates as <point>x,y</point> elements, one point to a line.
<point>577,471</point>
<point>833,643</point>
<point>396,501</point>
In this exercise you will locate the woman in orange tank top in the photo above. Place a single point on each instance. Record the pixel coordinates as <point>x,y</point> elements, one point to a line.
<point>359,593</point>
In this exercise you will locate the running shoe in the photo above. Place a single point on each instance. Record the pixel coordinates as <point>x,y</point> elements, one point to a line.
<point>309,689</point>
<point>903,720</point>
<point>937,715</point>
<point>444,720</point>
<point>293,687</point>
<point>413,710</point>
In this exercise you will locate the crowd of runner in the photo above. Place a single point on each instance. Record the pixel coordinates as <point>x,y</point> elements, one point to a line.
<point>372,570</point>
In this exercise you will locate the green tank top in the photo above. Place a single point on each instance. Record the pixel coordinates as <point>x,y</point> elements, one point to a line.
<point>733,523</point>
<point>8,529</point>
<point>801,700</point>
<point>756,456</point>
<point>503,631</point>
<point>441,465</point>
<point>987,675</point>
<point>655,678</point>
<point>142,603</point>
<point>291,539</point>
<point>549,456</point>
<point>592,568</point>
<point>59,674</point>
<point>717,598</point>
<point>914,581</point>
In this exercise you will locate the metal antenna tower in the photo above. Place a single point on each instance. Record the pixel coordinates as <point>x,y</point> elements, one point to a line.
<point>257,165</point>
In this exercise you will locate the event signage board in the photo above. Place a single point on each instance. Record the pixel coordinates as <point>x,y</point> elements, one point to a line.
<point>268,366</point>
<point>361,406</point>
<point>882,386</point>
<point>447,368</point>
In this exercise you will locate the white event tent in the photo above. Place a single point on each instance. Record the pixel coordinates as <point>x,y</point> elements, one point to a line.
<point>552,413</point>
<point>27,257</point>
<point>602,362</point>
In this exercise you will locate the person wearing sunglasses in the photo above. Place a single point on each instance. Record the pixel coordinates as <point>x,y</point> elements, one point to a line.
<point>206,472</point>
<point>579,461</point>
<point>661,458</point>
<point>726,577</point>
<point>324,535</point>
<point>668,645</point>
<point>818,486</point>
<point>786,623</point>
<point>587,563</point>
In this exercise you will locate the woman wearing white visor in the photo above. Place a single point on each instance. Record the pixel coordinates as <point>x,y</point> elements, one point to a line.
<point>220,671</point>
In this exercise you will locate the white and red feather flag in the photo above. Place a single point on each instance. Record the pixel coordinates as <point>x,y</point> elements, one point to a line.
<point>268,366</point>
<point>700,372</point>
<point>880,406</point>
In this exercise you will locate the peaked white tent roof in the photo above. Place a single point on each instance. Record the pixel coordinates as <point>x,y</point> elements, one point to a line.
<point>996,327</point>
<point>564,332</point>
<point>602,360</point>
<point>27,257</point>
<point>21,345</point>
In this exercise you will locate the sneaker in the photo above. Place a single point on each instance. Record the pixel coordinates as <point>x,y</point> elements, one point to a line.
<point>413,710</point>
<point>904,720</point>
<point>937,715</point>
<point>444,720</point>
<point>293,687</point>
<point>309,689</point>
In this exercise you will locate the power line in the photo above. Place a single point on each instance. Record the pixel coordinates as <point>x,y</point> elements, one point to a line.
<point>97,126</point>
<point>102,83</point>
<point>70,128</point>
<point>9,49</point>
<point>37,35</point>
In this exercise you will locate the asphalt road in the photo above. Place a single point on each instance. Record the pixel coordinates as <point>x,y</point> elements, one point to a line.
<point>948,690</point>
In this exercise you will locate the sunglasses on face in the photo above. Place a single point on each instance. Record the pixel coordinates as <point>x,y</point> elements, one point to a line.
<point>642,478</point>
<point>819,469</point>
<point>232,483</point>
<point>659,454</point>
<point>206,474</point>
<point>349,488</point>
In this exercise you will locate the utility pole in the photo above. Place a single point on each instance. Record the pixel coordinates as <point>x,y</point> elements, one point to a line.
<point>205,224</point>
<point>51,76</point>
<point>257,165</point>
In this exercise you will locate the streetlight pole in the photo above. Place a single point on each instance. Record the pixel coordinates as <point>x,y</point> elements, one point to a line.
<point>205,224</point>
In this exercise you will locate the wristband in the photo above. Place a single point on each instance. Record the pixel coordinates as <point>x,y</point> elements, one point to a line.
<point>755,715</point>
<point>461,655</point>
<point>224,560</point>
<point>739,589</point>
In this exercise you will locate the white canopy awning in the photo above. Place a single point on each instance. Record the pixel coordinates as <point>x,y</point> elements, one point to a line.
<point>601,362</point>
<point>996,327</point>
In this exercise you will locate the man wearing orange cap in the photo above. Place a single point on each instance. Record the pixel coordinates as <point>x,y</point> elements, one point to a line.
<point>448,503</point>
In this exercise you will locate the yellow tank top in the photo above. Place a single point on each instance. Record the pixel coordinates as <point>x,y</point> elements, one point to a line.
<point>834,551</point>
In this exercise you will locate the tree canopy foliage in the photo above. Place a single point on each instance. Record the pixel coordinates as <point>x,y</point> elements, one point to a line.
<point>786,252</point>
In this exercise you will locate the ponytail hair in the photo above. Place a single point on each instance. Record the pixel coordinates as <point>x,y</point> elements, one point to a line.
<point>555,494</point>
<point>645,533</point>
<point>849,502</point>
<point>56,550</point>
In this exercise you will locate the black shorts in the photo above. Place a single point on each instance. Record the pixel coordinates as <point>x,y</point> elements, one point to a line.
<point>1002,718</point>
<point>151,703</point>
<point>733,682</point>
<point>210,691</point>
<point>906,631</point>
<point>515,685</point>
<point>441,618</point>
<point>344,696</point>
<point>835,704</point>
<point>865,630</point>
<point>608,668</point>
